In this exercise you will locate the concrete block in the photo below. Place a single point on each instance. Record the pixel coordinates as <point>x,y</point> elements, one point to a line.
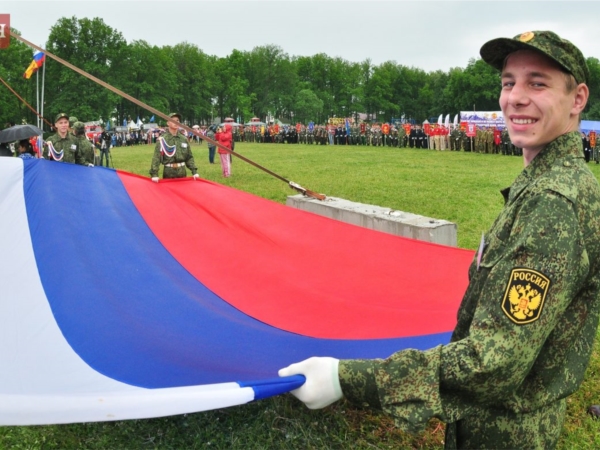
<point>378,218</point>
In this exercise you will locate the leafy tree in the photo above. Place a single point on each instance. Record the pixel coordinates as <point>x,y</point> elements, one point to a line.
<point>271,81</point>
<point>13,63</point>
<point>150,77</point>
<point>475,88</point>
<point>232,92</point>
<point>592,110</point>
<point>194,79</point>
<point>183,78</point>
<point>95,48</point>
<point>308,106</point>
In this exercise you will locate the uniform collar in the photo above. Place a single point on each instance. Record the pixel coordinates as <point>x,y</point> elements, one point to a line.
<point>568,145</point>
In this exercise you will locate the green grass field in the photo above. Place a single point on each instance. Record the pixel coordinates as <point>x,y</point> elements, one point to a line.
<point>459,187</point>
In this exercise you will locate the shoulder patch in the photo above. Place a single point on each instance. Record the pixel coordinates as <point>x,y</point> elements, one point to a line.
<point>525,294</point>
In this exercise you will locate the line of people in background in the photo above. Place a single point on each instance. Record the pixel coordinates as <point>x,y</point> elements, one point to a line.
<point>487,139</point>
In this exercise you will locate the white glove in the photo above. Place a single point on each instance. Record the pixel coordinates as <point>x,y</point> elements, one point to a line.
<point>196,176</point>
<point>90,165</point>
<point>155,179</point>
<point>322,386</point>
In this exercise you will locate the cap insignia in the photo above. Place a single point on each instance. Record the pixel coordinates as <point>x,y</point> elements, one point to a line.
<point>527,36</point>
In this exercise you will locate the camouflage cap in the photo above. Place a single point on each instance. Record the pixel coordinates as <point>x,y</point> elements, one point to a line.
<point>175,115</point>
<point>72,120</point>
<point>78,127</point>
<point>560,50</point>
<point>61,116</point>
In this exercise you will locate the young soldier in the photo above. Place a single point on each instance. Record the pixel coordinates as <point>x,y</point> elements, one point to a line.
<point>62,146</point>
<point>527,322</point>
<point>174,152</point>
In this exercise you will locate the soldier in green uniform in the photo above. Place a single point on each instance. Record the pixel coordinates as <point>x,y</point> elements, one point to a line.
<point>83,145</point>
<point>466,140</point>
<point>174,152</point>
<point>528,320</point>
<point>489,140</point>
<point>455,139</point>
<point>62,146</point>
<point>506,150</point>
<point>477,140</point>
<point>401,136</point>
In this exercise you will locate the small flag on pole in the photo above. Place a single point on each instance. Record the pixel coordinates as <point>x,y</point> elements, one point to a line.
<point>38,60</point>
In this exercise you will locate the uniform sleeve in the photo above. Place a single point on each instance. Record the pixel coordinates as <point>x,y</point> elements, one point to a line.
<point>154,166</point>
<point>80,153</point>
<point>189,161</point>
<point>488,366</point>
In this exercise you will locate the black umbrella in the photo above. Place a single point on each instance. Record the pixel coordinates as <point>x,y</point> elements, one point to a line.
<point>19,132</point>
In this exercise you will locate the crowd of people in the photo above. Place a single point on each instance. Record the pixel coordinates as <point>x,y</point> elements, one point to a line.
<point>487,139</point>
<point>95,149</point>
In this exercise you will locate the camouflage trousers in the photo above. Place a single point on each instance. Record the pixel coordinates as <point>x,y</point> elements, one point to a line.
<point>500,429</point>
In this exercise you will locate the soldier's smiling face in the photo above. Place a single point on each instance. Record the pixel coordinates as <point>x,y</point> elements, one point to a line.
<point>62,126</point>
<point>534,99</point>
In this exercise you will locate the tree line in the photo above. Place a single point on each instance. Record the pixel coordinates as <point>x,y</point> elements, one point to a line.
<point>244,84</point>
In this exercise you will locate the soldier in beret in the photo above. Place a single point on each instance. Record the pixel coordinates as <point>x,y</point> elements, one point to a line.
<point>527,323</point>
<point>62,146</point>
<point>174,152</point>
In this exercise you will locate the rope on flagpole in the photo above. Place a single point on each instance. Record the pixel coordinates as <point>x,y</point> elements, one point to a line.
<point>291,184</point>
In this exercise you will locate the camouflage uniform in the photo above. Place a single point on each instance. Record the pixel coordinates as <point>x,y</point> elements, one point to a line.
<point>67,145</point>
<point>84,146</point>
<point>455,139</point>
<point>506,144</point>
<point>174,165</point>
<point>489,141</point>
<point>401,136</point>
<point>478,140</point>
<point>526,324</point>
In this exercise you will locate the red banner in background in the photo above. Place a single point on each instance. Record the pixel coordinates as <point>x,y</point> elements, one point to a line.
<point>427,128</point>
<point>471,130</point>
<point>4,30</point>
<point>592,139</point>
<point>407,128</point>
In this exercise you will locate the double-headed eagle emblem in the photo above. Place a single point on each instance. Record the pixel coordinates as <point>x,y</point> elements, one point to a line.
<point>524,295</point>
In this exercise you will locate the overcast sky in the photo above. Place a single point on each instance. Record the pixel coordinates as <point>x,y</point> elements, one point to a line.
<point>431,35</point>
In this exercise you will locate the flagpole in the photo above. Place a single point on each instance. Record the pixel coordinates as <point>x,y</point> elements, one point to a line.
<point>37,95</point>
<point>42,99</point>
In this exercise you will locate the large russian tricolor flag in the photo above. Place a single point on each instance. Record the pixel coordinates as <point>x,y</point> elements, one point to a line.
<point>121,298</point>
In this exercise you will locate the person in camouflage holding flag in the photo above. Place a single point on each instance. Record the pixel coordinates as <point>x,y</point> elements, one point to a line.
<point>527,322</point>
<point>83,145</point>
<point>62,146</point>
<point>173,151</point>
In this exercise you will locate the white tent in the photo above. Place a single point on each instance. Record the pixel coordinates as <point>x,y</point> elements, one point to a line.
<point>132,125</point>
